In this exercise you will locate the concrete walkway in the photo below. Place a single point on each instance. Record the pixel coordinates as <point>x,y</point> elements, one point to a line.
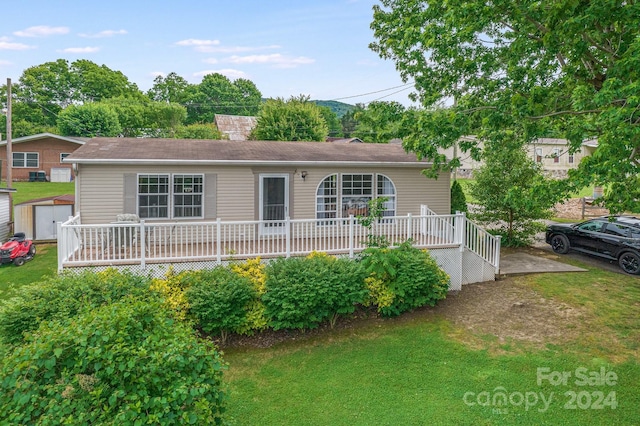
<point>525,263</point>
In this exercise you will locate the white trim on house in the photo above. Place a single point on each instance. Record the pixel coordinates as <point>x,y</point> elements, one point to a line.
<point>43,136</point>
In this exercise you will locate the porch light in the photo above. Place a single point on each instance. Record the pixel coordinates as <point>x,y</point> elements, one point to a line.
<point>303,174</point>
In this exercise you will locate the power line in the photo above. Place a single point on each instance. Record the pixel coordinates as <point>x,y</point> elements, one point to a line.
<point>377,91</point>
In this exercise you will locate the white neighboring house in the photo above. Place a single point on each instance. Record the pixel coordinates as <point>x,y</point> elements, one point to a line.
<point>5,214</point>
<point>553,155</point>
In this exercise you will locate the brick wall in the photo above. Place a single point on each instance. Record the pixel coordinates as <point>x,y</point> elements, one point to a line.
<point>49,150</point>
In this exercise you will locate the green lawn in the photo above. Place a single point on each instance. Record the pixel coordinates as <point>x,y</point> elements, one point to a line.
<point>44,264</point>
<point>422,369</point>
<point>31,190</point>
<point>465,184</point>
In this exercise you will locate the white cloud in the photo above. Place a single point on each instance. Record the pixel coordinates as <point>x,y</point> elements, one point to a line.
<point>197,44</point>
<point>228,72</point>
<point>7,45</point>
<point>87,49</point>
<point>276,59</point>
<point>41,31</point>
<point>105,33</point>
<point>237,49</point>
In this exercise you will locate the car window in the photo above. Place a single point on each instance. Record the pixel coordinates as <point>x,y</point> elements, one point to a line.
<point>591,226</point>
<point>619,230</point>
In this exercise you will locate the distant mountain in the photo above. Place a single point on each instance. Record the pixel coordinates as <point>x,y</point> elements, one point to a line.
<point>339,108</point>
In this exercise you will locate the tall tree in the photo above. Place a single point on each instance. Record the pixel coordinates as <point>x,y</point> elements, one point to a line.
<point>89,120</point>
<point>296,119</point>
<point>171,88</point>
<point>567,67</point>
<point>379,122</point>
<point>333,123</point>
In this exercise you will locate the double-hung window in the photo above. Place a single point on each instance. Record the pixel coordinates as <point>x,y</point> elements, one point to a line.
<point>26,160</point>
<point>162,196</point>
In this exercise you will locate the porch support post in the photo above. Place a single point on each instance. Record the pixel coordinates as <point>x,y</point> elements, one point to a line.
<point>143,246</point>
<point>218,241</point>
<point>460,225</point>
<point>409,226</point>
<point>351,232</point>
<point>287,230</point>
<point>62,244</point>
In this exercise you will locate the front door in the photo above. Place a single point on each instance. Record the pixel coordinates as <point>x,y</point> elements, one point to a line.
<point>274,202</point>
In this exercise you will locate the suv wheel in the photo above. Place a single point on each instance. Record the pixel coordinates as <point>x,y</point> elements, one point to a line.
<point>630,262</point>
<point>560,244</point>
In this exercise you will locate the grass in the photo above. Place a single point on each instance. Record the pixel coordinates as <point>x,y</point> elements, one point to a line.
<point>44,264</point>
<point>31,190</point>
<point>418,369</point>
<point>466,187</point>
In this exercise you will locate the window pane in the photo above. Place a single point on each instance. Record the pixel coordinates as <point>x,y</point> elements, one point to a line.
<point>32,159</point>
<point>327,199</point>
<point>18,159</point>
<point>153,196</point>
<point>187,195</point>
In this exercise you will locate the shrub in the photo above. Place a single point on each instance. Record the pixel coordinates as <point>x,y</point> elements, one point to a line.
<point>458,199</point>
<point>173,289</point>
<point>64,296</point>
<point>127,362</point>
<point>303,292</point>
<point>253,269</point>
<point>219,299</point>
<point>402,279</point>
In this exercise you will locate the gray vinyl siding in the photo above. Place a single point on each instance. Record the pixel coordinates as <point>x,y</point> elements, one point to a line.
<point>101,194</point>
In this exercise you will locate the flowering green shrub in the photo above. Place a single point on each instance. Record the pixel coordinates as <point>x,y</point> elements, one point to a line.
<point>64,296</point>
<point>127,362</point>
<point>303,292</point>
<point>402,278</point>
<point>254,270</point>
<point>219,299</point>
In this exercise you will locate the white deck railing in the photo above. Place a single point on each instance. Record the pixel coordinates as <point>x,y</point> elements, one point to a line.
<point>153,242</point>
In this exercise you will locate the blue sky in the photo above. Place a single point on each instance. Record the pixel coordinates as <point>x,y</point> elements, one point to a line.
<point>315,47</point>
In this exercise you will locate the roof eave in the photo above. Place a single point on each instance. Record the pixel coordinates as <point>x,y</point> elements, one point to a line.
<point>156,162</point>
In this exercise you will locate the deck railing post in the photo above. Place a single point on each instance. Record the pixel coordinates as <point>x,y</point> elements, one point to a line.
<point>409,226</point>
<point>287,231</point>
<point>62,247</point>
<point>497,254</point>
<point>143,246</point>
<point>218,241</point>
<point>351,236</point>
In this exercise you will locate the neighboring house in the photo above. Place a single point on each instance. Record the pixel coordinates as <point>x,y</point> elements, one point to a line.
<point>552,154</point>
<point>5,214</point>
<point>160,179</point>
<point>39,157</point>
<point>235,127</point>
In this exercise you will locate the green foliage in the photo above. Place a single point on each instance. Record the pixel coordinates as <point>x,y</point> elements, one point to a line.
<point>379,122</point>
<point>338,108</point>
<point>296,119</point>
<point>218,300</point>
<point>375,212</point>
<point>458,199</point>
<point>402,278</point>
<point>570,70</point>
<point>254,270</point>
<point>333,123</point>
<point>141,117</point>
<point>514,207</point>
<point>63,297</point>
<point>198,131</point>
<point>304,292</point>
<point>127,362</point>
<point>89,120</point>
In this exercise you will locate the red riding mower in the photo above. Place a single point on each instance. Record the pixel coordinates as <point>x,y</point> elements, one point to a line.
<point>17,250</point>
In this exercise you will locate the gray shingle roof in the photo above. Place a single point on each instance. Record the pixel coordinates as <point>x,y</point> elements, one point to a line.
<point>173,151</point>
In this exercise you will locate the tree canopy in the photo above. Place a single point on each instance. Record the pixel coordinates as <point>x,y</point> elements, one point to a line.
<point>296,119</point>
<point>528,68</point>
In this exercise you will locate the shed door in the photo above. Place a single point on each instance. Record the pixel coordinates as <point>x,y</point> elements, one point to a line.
<point>274,201</point>
<point>46,218</point>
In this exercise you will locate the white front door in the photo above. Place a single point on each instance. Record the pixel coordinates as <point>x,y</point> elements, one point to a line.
<point>274,202</point>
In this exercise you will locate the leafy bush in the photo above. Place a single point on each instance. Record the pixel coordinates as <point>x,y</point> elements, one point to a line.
<point>127,362</point>
<point>173,289</point>
<point>303,292</point>
<point>402,279</point>
<point>218,300</point>
<point>254,270</point>
<point>458,199</point>
<point>64,296</point>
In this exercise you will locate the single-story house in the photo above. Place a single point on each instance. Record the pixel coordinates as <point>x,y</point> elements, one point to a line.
<point>38,218</point>
<point>150,203</point>
<point>190,180</point>
<point>5,213</point>
<point>39,157</point>
<point>235,127</point>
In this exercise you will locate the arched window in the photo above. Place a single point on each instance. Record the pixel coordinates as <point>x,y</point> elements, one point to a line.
<point>327,198</point>
<point>349,194</point>
<point>386,188</point>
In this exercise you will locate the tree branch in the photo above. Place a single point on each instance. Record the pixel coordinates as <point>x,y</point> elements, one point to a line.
<point>568,112</point>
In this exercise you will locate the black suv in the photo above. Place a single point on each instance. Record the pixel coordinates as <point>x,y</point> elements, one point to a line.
<point>614,238</point>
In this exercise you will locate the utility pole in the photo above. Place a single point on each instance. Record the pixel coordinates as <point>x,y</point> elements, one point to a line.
<point>9,154</point>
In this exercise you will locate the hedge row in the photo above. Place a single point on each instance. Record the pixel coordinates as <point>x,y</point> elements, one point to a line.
<point>302,293</point>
